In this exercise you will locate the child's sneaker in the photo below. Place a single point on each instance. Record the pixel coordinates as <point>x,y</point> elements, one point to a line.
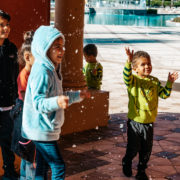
<point>141,175</point>
<point>127,168</point>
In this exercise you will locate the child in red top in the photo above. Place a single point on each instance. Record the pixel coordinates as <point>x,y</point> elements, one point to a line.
<point>22,82</point>
<point>19,144</point>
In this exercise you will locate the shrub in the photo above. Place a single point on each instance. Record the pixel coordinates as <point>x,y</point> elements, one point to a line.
<point>177,4</point>
<point>167,3</point>
<point>155,3</point>
<point>177,19</point>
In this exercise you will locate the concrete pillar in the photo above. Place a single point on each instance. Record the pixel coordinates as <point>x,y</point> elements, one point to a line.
<point>69,19</point>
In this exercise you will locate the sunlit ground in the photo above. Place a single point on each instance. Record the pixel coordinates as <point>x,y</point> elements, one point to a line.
<point>96,154</point>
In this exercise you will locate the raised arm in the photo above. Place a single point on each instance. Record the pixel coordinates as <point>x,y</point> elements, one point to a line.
<point>127,72</point>
<point>164,92</point>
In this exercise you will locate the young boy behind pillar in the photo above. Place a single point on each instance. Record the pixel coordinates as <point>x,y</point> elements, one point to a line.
<point>93,69</point>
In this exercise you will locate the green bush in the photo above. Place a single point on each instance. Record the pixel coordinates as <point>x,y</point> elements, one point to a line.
<point>177,4</point>
<point>177,19</point>
<point>167,3</point>
<point>158,3</point>
<point>155,3</point>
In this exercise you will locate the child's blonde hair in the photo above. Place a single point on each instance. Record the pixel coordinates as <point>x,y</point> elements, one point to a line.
<point>26,46</point>
<point>139,54</point>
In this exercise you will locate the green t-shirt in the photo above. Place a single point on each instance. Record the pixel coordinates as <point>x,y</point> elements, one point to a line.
<point>143,95</point>
<point>93,74</point>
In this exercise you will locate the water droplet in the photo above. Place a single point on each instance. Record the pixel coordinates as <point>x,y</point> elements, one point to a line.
<point>74,146</point>
<point>121,125</point>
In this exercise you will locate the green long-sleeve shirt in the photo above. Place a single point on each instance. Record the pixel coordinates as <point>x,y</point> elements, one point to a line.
<point>93,74</point>
<point>143,95</point>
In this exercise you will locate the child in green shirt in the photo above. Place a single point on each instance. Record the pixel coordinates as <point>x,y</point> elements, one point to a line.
<point>143,92</point>
<point>93,70</point>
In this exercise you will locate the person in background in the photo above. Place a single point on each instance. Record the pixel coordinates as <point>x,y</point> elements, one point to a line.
<point>93,69</point>
<point>22,147</point>
<point>143,92</point>
<point>44,104</point>
<point>8,93</point>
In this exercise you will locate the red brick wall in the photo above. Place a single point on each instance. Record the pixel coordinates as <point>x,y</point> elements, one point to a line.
<point>26,15</point>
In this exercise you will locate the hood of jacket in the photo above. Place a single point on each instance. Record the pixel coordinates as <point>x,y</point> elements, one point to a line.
<point>42,40</point>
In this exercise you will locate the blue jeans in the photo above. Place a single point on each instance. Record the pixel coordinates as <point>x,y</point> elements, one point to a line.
<point>48,154</point>
<point>27,171</point>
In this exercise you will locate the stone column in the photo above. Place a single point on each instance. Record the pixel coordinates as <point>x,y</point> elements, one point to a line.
<point>69,19</point>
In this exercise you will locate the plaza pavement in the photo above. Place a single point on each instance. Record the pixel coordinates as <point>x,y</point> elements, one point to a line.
<point>97,154</point>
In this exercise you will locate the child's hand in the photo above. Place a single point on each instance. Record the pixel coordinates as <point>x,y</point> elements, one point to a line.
<point>129,54</point>
<point>63,101</point>
<point>172,76</point>
<point>85,94</point>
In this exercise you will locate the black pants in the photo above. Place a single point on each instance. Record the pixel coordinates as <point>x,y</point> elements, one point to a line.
<point>6,128</point>
<point>139,140</point>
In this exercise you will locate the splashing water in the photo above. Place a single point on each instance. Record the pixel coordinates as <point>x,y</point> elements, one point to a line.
<point>76,51</point>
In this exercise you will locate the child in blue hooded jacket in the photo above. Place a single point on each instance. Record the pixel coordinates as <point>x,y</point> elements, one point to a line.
<point>44,104</point>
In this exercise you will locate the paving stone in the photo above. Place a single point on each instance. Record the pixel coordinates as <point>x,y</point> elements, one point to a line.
<point>165,154</point>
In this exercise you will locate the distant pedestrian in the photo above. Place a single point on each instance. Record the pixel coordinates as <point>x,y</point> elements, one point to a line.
<point>43,113</point>
<point>93,69</point>
<point>8,93</point>
<point>143,92</point>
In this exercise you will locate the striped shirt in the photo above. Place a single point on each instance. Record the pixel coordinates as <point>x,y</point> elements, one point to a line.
<point>143,95</point>
<point>93,74</point>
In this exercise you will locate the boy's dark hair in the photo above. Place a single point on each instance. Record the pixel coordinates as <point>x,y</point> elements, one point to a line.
<point>90,49</point>
<point>5,15</point>
<point>26,46</point>
<point>139,54</point>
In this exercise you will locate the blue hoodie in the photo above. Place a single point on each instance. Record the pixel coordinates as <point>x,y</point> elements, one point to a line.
<point>42,117</point>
